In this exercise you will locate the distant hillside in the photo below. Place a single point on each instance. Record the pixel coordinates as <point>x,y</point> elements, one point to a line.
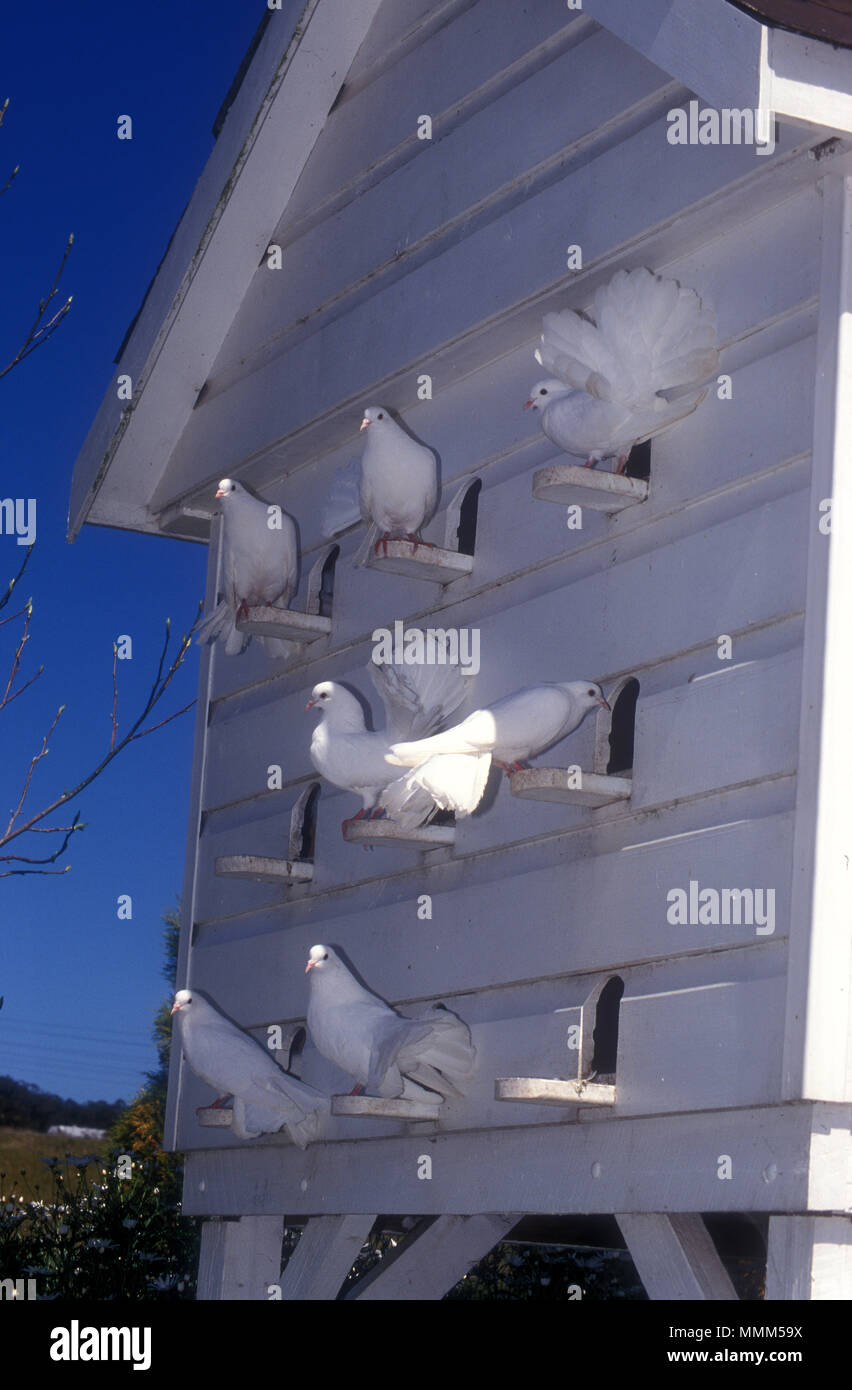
<point>25,1106</point>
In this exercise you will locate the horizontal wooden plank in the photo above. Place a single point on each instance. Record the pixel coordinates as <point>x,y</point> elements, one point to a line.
<point>600,1165</point>
<point>701,1049</point>
<point>260,977</point>
<point>717,730</point>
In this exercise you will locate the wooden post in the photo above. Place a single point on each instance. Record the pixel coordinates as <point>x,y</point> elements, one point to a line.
<point>240,1259</point>
<point>675,1257</point>
<point>429,1265</point>
<point>327,1250</point>
<point>809,1257</point>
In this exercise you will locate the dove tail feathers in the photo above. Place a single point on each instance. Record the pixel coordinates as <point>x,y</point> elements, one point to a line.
<point>445,1059</point>
<point>646,335</point>
<point>446,782</point>
<point>220,624</point>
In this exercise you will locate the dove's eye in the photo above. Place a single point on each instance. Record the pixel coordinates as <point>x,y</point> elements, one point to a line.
<point>325,957</point>
<point>543,391</point>
<point>380,415</point>
<point>592,692</point>
<point>324,695</point>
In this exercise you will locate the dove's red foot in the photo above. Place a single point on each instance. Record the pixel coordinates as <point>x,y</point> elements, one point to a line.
<point>378,813</point>
<point>357,1090</point>
<point>381,545</point>
<point>590,463</point>
<point>418,543</point>
<point>510,767</point>
<point>622,463</point>
<point>242,611</point>
<point>359,815</point>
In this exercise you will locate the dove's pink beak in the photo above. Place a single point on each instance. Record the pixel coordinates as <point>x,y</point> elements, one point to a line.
<point>175,1007</point>
<point>364,423</point>
<point>604,704</point>
<point>219,492</point>
<point>528,403</point>
<point>310,965</point>
<point>310,704</point>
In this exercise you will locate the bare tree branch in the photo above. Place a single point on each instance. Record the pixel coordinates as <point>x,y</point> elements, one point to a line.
<point>7,184</point>
<point>42,328</point>
<point>40,332</point>
<point>12,582</point>
<point>33,824</point>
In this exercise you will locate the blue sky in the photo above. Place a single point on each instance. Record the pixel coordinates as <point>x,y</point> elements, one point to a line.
<point>80,985</point>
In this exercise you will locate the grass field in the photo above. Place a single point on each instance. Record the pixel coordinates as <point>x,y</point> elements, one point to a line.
<point>24,1149</point>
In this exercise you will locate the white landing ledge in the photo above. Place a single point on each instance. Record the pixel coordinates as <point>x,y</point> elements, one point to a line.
<point>285,623</point>
<point>262,870</point>
<point>392,836</point>
<point>537,1090</point>
<point>380,1108</point>
<point>419,561</point>
<point>569,785</point>
<point>570,484</point>
<point>214,1117</point>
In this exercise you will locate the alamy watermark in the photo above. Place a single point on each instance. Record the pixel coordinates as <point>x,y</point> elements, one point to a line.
<point>436,646</point>
<point>729,125</point>
<point>722,907</point>
<point>18,518</point>
<point>17,1289</point>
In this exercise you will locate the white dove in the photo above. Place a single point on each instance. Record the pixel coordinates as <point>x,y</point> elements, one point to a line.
<point>384,1052</point>
<point>630,373</point>
<point>451,768</point>
<point>417,700</point>
<point>266,1098</point>
<point>399,481</point>
<point>260,566</point>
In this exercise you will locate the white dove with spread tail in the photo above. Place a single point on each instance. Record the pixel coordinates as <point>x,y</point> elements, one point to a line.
<point>266,1098</point>
<point>260,567</point>
<point>399,482</point>
<point>387,1054</point>
<point>639,362</point>
<point>418,700</point>
<point>450,770</point>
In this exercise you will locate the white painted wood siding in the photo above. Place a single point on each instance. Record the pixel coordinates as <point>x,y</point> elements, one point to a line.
<point>402,257</point>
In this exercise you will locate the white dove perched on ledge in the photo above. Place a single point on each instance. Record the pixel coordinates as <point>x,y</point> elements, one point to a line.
<point>399,482</point>
<point>260,566</point>
<point>387,1054</point>
<point>266,1098</point>
<point>451,769</point>
<point>418,699</point>
<point>629,374</point>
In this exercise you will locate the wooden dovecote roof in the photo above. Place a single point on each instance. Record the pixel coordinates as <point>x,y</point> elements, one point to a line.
<point>829,20</point>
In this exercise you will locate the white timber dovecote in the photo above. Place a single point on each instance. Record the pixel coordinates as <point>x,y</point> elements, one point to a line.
<point>646,931</point>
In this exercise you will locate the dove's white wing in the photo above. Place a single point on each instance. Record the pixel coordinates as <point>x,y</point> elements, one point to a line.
<point>418,699</point>
<point>476,734</point>
<point>342,507</point>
